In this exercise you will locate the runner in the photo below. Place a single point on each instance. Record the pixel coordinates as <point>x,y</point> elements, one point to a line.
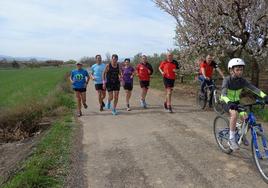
<point>96,75</point>
<point>144,71</point>
<point>111,82</point>
<point>79,78</point>
<point>168,68</point>
<point>128,73</point>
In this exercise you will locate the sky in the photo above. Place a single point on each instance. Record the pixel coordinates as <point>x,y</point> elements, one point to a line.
<point>71,29</point>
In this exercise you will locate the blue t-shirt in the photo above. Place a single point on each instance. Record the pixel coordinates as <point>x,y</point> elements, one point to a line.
<point>79,78</point>
<point>97,70</point>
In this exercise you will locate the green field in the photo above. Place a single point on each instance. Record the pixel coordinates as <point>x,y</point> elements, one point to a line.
<point>19,87</point>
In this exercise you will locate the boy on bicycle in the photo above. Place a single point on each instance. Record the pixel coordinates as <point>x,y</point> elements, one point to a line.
<point>231,89</point>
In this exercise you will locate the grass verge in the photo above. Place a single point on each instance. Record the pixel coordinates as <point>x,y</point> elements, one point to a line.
<point>49,164</point>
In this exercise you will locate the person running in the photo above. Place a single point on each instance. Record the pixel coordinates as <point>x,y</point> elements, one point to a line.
<point>144,71</point>
<point>168,70</point>
<point>232,87</point>
<point>96,75</point>
<point>128,73</point>
<point>111,82</point>
<point>79,78</point>
<point>205,74</point>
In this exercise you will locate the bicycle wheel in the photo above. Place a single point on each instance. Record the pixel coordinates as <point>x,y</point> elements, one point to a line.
<point>217,104</point>
<point>260,153</point>
<point>221,133</point>
<point>201,100</point>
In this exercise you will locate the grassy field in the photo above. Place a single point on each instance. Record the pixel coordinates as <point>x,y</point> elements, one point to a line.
<point>49,164</point>
<point>19,87</point>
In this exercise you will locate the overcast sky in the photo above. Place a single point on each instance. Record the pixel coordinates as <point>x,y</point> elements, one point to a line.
<point>71,29</point>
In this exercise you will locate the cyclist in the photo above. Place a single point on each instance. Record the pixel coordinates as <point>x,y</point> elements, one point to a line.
<point>96,75</point>
<point>128,73</point>
<point>144,71</point>
<point>79,78</point>
<point>111,82</point>
<point>168,68</point>
<point>231,89</point>
<point>205,74</point>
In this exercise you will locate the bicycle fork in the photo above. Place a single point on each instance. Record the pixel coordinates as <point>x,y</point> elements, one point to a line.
<point>254,130</point>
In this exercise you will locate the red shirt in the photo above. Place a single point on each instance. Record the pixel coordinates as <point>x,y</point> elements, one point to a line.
<point>208,68</point>
<point>168,69</point>
<point>144,71</point>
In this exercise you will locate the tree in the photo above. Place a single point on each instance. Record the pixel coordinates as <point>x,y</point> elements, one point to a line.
<point>229,28</point>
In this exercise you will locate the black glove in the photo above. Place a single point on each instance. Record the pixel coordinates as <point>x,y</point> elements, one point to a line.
<point>232,106</point>
<point>266,99</point>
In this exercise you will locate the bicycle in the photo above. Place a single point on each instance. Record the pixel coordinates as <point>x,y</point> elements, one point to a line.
<point>211,93</point>
<point>258,138</point>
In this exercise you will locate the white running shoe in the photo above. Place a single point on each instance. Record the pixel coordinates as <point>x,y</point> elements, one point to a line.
<point>233,145</point>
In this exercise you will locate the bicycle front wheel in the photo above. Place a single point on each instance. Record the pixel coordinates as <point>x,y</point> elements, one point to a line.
<point>221,133</point>
<point>260,153</point>
<point>217,104</point>
<point>201,99</point>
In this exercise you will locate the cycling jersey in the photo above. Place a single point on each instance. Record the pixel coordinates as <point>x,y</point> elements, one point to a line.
<point>168,69</point>
<point>208,68</point>
<point>232,87</point>
<point>79,78</point>
<point>143,71</point>
<point>97,70</point>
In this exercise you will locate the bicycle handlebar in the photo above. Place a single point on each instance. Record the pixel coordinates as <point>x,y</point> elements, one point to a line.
<point>257,103</point>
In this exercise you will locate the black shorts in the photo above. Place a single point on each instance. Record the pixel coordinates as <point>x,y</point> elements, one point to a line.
<point>144,84</point>
<point>226,106</point>
<point>99,87</point>
<point>80,89</point>
<point>169,83</point>
<point>113,87</point>
<point>128,86</point>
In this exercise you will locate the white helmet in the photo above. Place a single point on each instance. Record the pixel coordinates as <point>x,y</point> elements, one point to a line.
<point>235,62</point>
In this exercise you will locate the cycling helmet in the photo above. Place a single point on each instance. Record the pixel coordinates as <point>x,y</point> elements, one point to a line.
<point>235,62</point>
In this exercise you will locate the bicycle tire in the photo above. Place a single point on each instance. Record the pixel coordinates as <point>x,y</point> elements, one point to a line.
<point>221,133</point>
<point>201,101</point>
<point>260,161</point>
<point>217,104</point>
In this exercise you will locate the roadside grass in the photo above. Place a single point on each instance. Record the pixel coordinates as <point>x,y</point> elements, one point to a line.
<point>49,164</point>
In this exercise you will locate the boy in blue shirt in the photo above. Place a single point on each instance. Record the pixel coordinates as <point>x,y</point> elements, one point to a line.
<point>79,78</point>
<point>96,75</point>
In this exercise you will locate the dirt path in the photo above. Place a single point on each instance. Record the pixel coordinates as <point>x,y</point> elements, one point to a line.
<point>151,148</point>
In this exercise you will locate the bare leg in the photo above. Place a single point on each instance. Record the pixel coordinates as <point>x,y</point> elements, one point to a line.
<point>116,95</point>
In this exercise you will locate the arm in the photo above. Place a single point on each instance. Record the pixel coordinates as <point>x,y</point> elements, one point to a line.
<point>255,90</point>
<point>71,78</point>
<point>92,73</point>
<point>203,72</point>
<point>220,72</point>
<point>105,73</point>
<point>160,68</point>
<point>224,90</point>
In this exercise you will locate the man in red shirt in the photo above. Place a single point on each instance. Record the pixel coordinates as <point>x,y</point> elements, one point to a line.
<point>144,71</point>
<point>168,70</point>
<point>206,71</point>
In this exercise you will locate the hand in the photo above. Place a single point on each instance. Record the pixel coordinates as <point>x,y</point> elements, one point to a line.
<point>104,86</point>
<point>93,78</point>
<point>266,99</point>
<point>232,106</point>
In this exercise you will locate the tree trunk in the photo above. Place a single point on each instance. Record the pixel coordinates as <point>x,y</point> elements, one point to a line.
<point>255,73</point>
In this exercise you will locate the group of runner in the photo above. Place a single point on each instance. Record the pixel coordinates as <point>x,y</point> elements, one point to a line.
<point>109,77</point>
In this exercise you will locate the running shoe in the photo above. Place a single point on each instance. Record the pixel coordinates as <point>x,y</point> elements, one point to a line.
<point>233,145</point>
<point>108,105</point>
<point>85,105</point>
<point>165,105</point>
<point>114,112</point>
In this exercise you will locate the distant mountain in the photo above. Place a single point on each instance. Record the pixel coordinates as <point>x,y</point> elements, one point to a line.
<point>10,58</point>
